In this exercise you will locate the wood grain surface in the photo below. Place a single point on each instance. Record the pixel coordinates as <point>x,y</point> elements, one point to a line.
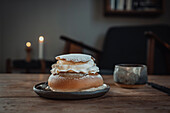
<point>17,96</point>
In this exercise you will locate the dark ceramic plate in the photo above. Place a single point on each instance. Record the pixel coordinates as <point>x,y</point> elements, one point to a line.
<point>42,92</point>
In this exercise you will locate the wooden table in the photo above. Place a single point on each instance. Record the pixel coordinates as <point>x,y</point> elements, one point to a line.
<point>17,96</point>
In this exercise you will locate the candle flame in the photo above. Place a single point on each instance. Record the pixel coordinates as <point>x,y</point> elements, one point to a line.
<point>28,44</point>
<point>41,39</point>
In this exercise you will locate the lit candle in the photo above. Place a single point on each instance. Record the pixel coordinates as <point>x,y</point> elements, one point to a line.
<point>28,51</point>
<point>41,41</point>
<point>28,44</point>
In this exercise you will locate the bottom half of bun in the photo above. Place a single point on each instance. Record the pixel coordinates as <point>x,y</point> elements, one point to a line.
<point>74,83</point>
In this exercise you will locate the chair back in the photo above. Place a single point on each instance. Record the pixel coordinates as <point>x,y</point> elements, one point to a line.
<point>129,45</point>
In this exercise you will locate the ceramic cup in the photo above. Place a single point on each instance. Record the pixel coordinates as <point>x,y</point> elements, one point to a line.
<point>130,75</point>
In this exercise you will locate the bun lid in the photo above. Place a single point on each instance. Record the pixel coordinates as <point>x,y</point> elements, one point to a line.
<point>75,57</point>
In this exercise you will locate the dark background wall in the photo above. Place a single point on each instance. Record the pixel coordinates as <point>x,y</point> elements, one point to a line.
<point>1,35</point>
<point>26,20</point>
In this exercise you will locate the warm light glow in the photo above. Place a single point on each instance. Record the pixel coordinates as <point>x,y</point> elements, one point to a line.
<point>28,44</point>
<point>41,39</point>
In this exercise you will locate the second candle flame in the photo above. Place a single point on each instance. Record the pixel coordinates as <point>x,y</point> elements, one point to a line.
<point>41,39</point>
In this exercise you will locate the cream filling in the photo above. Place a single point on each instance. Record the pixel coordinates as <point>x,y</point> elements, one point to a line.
<point>89,67</point>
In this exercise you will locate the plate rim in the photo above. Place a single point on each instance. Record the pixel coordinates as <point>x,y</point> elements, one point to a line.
<point>83,92</point>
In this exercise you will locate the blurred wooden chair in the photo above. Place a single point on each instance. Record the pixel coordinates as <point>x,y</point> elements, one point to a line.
<point>154,40</point>
<point>108,54</point>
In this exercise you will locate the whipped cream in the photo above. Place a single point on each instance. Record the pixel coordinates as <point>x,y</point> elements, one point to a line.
<point>89,67</point>
<point>75,57</point>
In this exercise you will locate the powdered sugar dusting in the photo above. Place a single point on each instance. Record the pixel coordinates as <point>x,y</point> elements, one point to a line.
<point>96,88</point>
<point>75,57</point>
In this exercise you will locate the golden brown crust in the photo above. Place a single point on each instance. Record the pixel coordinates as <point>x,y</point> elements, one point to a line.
<point>72,83</point>
<point>64,62</point>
